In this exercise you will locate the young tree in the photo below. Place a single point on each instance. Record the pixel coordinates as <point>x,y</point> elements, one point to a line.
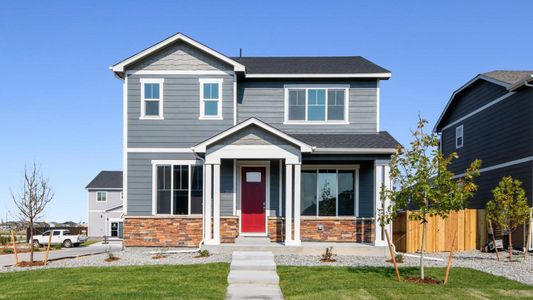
<point>508,208</point>
<point>35,194</point>
<point>423,182</point>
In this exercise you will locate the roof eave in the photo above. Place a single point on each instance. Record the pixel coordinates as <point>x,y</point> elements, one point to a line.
<point>521,83</point>
<point>354,151</point>
<point>383,76</point>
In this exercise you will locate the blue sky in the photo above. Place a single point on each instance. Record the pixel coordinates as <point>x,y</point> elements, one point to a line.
<point>61,106</point>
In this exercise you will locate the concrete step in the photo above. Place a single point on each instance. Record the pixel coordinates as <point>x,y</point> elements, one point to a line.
<point>252,255</point>
<point>251,264</point>
<point>255,277</point>
<point>252,240</point>
<point>254,291</point>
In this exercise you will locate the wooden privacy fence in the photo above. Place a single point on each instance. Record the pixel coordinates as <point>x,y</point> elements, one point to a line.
<point>467,226</point>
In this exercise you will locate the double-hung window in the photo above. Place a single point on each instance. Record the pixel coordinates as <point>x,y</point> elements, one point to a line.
<point>211,98</point>
<point>329,191</point>
<point>101,196</point>
<point>178,187</point>
<point>151,98</point>
<point>459,137</point>
<point>316,105</point>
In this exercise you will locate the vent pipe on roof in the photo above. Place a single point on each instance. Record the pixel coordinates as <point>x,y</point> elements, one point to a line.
<point>240,52</point>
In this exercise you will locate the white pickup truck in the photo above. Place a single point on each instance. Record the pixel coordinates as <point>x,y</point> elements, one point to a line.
<point>59,237</point>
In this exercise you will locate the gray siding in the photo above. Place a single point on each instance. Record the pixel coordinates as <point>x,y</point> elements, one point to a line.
<point>265,100</point>
<point>140,179</point>
<point>274,188</point>
<point>472,98</point>
<point>499,134</point>
<point>181,127</point>
<point>180,56</point>
<point>226,187</point>
<point>113,199</point>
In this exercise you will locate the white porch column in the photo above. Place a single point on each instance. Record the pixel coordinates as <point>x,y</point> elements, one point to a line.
<point>382,179</point>
<point>208,239</point>
<point>216,204</point>
<point>297,201</point>
<point>288,206</point>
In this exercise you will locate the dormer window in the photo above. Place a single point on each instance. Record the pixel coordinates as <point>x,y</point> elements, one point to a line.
<point>210,98</point>
<point>316,105</point>
<point>459,140</point>
<point>151,98</point>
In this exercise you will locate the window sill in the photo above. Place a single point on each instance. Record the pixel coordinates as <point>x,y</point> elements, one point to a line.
<point>315,123</point>
<point>150,118</point>
<point>210,118</point>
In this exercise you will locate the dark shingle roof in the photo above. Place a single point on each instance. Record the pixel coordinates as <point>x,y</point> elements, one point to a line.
<point>309,65</point>
<point>381,140</point>
<point>509,77</point>
<point>106,180</point>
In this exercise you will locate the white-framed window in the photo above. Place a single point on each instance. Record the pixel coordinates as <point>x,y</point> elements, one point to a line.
<point>316,104</point>
<point>329,191</point>
<point>210,98</point>
<point>152,98</point>
<point>459,139</point>
<point>177,187</point>
<point>101,196</point>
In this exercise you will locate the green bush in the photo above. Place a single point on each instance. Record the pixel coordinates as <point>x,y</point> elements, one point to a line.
<point>204,253</point>
<point>8,251</point>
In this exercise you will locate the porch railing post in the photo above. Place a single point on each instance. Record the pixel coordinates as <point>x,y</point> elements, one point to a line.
<point>297,200</point>
<point>288,204</point>
<point>216,204</point>
<point>207,211</point>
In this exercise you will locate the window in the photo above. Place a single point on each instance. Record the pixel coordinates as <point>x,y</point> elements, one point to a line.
<point>459,137</point>
<point>316,105</point>
<point>101,196</point>
<point>116,229</point>
<point>151,98</point>
<point>328,192</point>
<point>210,98</point>
<point>56,232</point>
<point>179,188</point>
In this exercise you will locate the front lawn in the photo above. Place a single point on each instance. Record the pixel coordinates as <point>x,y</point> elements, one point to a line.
<point>207,281</point>
<point>380,283</point>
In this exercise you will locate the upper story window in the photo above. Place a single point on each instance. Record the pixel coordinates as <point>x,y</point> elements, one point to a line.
<point>316,105</point>
<point>459,140</point>
<point>211,98</point>
<point>101,196</point>
<point>151,98</point>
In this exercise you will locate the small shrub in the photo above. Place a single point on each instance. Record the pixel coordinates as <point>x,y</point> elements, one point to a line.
<point>8,251</point>
<point>399,258</point>
<point>4,239</point>
<point>328,255</point>
<point>204,253</point>
<point>110,255</point>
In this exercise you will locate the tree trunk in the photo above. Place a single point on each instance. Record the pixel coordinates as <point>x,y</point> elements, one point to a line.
<point>422,247</point>
<point>510,246</point>
<point>31,241</point>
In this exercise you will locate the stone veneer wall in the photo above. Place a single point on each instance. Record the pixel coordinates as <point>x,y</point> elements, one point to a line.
<point>229,229</point>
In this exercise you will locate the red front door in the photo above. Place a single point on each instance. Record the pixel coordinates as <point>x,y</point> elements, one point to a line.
<point>253,195</point>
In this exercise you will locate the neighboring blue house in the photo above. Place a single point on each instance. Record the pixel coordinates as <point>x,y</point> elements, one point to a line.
<point>490,118</point>
<point>219,147</point>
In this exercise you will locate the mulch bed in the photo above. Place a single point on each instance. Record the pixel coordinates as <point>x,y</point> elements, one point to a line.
<point>158,256</point>
<point>427,280</point>
<point>30,264</point>
<point>111,259</point>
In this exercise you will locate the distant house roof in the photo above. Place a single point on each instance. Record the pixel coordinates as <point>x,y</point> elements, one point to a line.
<point>349,66</point>
<point>511,80</point>
<point>381,142</point>
<point>106,180</point>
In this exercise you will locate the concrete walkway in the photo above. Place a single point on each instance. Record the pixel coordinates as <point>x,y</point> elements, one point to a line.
<point>253,276</point>
<point>97,248</point>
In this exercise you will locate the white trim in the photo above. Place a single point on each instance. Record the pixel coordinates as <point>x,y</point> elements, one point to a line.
<point>355,150</point>
<point>234,187</point>
<point>357,193</point>
<point>177,72</point>
<point>99,201</point>
<point>478,110</point>
<point>159,81</point>
<point>326,88</point>
<point>280,207</point>
<point>119,67</point>
<point>499,166</point>
<point>322,75</point>
<point>158,150</point>
<point>464,86</point>
<point>251,164</point>
<point>219,100</point>
<point>125,143</point>
<point>201,148</point>
<point>288,205</point>
<point>177,162</point>
<point>297,201</point>
<point>459,133</point>
<point>103,189</point>
<point>234,99</point>
<point>520,83</point>
<point>216,204</point>
<point>377,105</point>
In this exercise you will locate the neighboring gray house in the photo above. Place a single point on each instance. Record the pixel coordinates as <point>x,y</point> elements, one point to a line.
<point>219,147</point>
<point>105,205</point>
<point>491,118</point>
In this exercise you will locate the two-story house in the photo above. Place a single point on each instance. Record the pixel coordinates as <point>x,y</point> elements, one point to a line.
<point>219,147</point>
<point>105,205</point>
<point>490,118</point>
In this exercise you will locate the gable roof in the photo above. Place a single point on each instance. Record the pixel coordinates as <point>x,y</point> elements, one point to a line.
<point>106,180</point>
<point>510,80</point>
<point>202,147</point>
<point>337,66</point>
<point>381,142</point>
<point>119,67</point>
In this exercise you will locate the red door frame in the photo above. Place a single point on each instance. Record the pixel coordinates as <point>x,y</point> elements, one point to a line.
<point>253,201</point>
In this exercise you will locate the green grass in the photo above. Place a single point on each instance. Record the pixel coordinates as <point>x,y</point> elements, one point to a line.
<point>380,283</point>
<point>144,282</point>
<point>87,243</point>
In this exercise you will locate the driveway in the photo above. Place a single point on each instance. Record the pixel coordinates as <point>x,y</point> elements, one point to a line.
<point>8,260</point>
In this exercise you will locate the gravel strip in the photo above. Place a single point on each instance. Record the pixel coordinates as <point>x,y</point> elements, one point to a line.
<point>130,257</point>
<point>517,270</point>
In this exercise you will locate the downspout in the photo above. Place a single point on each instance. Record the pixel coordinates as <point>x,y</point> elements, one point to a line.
<point>203,224</point>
